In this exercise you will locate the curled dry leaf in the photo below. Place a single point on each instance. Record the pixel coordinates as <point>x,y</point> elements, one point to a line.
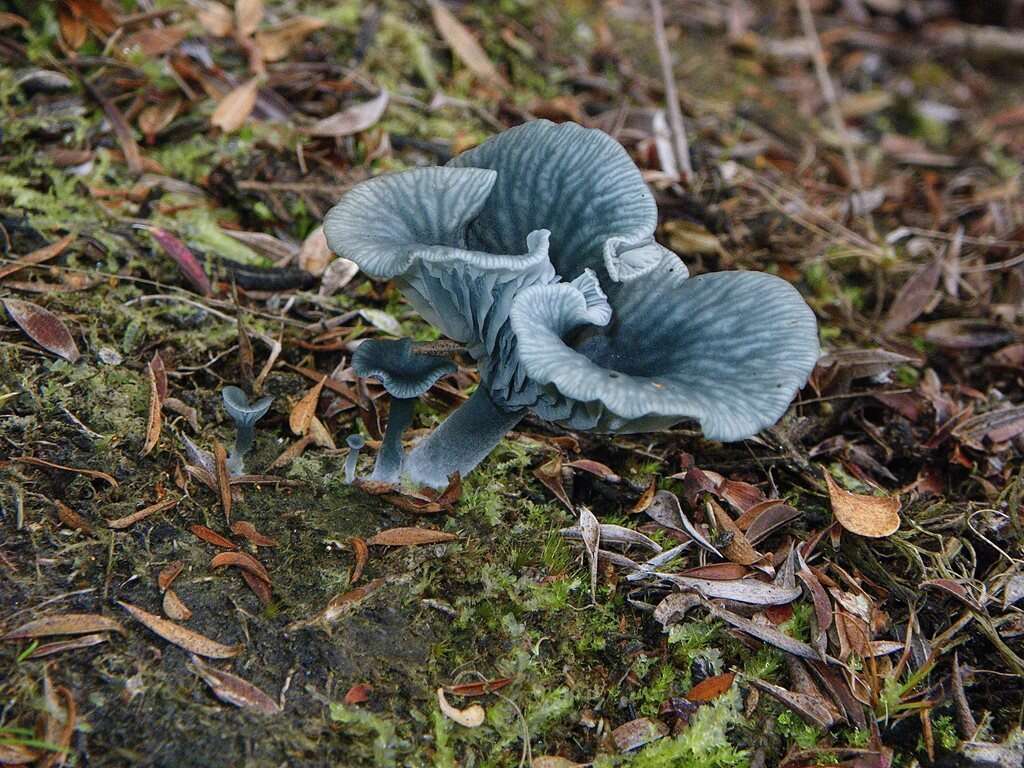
<point>174,608</point>
<point>739,549</point>
<point>184,258</point>
<point>241,560</point>
<point>70,518</point>
<point>181,637</point>
<point>142,514</point>
<point>234,109</point>
<point>277,41</point>
<point>154,421</point>
<point>338,274</point>
<point>666,511</point>
<point>302,414</point>
<point>220,463</point>
<point>352,120</point>
<point>464,45</point>
<point>259,587</point>
<point>210,536</point>
<point>596,468</point>
<point>358,694</point>
<point>711,688</point>
<point>44,254</point>
<point>550,474</point>
<point>869,516</point>
<point>767,634</point>
<point>248,15</point>
<point>169,573</point>
<point>636,733</point>
<point>64,624</point>
<point>362,554</point>
<point>234,690</point>
<point>409,537</point>
<point>248,531</point>
<point>49,649</point>
<point>479,688</point>
<point>314,255</point>
<point>44,328</point>
<point>590,532</point>
<point>215,17</point>
<point>93,473</point>
<point>813,708</point>
<point>470,717</point>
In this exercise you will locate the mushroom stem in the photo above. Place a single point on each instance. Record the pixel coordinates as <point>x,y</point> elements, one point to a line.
<point>461,442</point>
<point>388,467</point>
<point>355,444</point>
<point>245,436</point>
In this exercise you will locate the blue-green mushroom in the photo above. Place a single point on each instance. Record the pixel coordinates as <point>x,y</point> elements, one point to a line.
<point>536,251</point>
<point>245,415</point>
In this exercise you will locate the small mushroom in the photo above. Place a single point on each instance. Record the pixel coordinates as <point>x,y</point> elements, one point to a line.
<point>536,251</point>
<point>355,444</point>
<point>405,375</point>
<point>245,415</point>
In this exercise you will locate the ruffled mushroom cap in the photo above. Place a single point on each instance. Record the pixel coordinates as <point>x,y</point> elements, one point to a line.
<point>536,250</point>
<point>404,373</point>
<point>729,349</point>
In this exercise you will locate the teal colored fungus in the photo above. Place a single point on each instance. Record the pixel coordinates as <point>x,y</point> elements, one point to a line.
<point>536,251</point>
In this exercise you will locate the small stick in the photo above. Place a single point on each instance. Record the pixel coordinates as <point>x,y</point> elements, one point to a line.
<point>828,90</point>
<point>675,115</point>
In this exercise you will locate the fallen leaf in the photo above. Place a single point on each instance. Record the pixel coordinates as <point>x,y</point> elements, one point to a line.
<point>352,120</point>
<point>767,634</point>
<point>44,328</point>
<point>967,333</point>
<point>70,518</point>
<point>362,554</point>
<point>637,733</point>
<point>711,688</point>
<point>169,573</point>
<point>93,473</point>
<point>210,536</point>
<point>184,258</point>
<point>914,297</point>
<point>869,516</point>
<point>338,274</point>
<point>739,548</point>
<point>814,709</point>
<point>595,468</point>
<point>248,531</point>
<point>234,109</point>
<point>276,42</point>
<point>338,606</point>
<point>65,624</point>
<point>464,45</point>
<point>590,532</point>
<point>409,537</point>
<point>314,255</point>
<point>174,608</point>
<point>154,42</point>
<point>554,761</point>
<point>234,690</point>
<point>142,514</point>
<point>220,463</point>
<point>479,688</point>
<point>156,117</point>
<point>248,15</point>
<point>302,414</point>
<point>49,649</point>
<point>183,638</point>
<point>72,27</point>
<point>550,474</point>
<point>358,693</point>
<point>215,18</point>
<point>741,590</point>
<point>646,498</point>
<point>470,717</point>
<point>39,256</point>
<point>666,511</point>
<point>154,420</point>
<point>380,319</point>
<point>241,560</point>
<point>259,587</point>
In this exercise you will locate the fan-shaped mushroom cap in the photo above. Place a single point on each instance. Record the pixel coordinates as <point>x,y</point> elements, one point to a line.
<point>729,349</point>
<point>404,373</point>
<point>241,411</point>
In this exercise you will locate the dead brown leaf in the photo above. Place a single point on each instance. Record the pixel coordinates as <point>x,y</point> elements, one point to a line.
<point>64,624</point>
<point>352,120</point>
<point>464,45</point>
<point>215,17</point>
<point>220,461</point>
<point>711,688</point>
<point>93,473</point>
<point>169,573</point>
<point>174,608</point>
<point>248,531</point>
<point>276,42</point>
<point>44,328</point>
<point>234,109</point>
<point>210,536</point>
<point>142,514</point>
<point>241,560</point>
<point>183,638</point>
<point>362,554</point>
<point>869,516</point>
<point>70,518</point>
<point>154,421</point>
<point>248,15</point>
<point>409,537</point>
<point>84,641</point>
<point>637,733</point>
<point>314,255</point>
<point>302,414</point>
<point>234,690</point>
<point>39,256</point>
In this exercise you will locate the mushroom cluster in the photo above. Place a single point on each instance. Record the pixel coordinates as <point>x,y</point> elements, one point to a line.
<point>536,251</point>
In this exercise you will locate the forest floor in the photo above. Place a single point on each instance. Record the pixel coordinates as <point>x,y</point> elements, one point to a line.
<point>164,168</point>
